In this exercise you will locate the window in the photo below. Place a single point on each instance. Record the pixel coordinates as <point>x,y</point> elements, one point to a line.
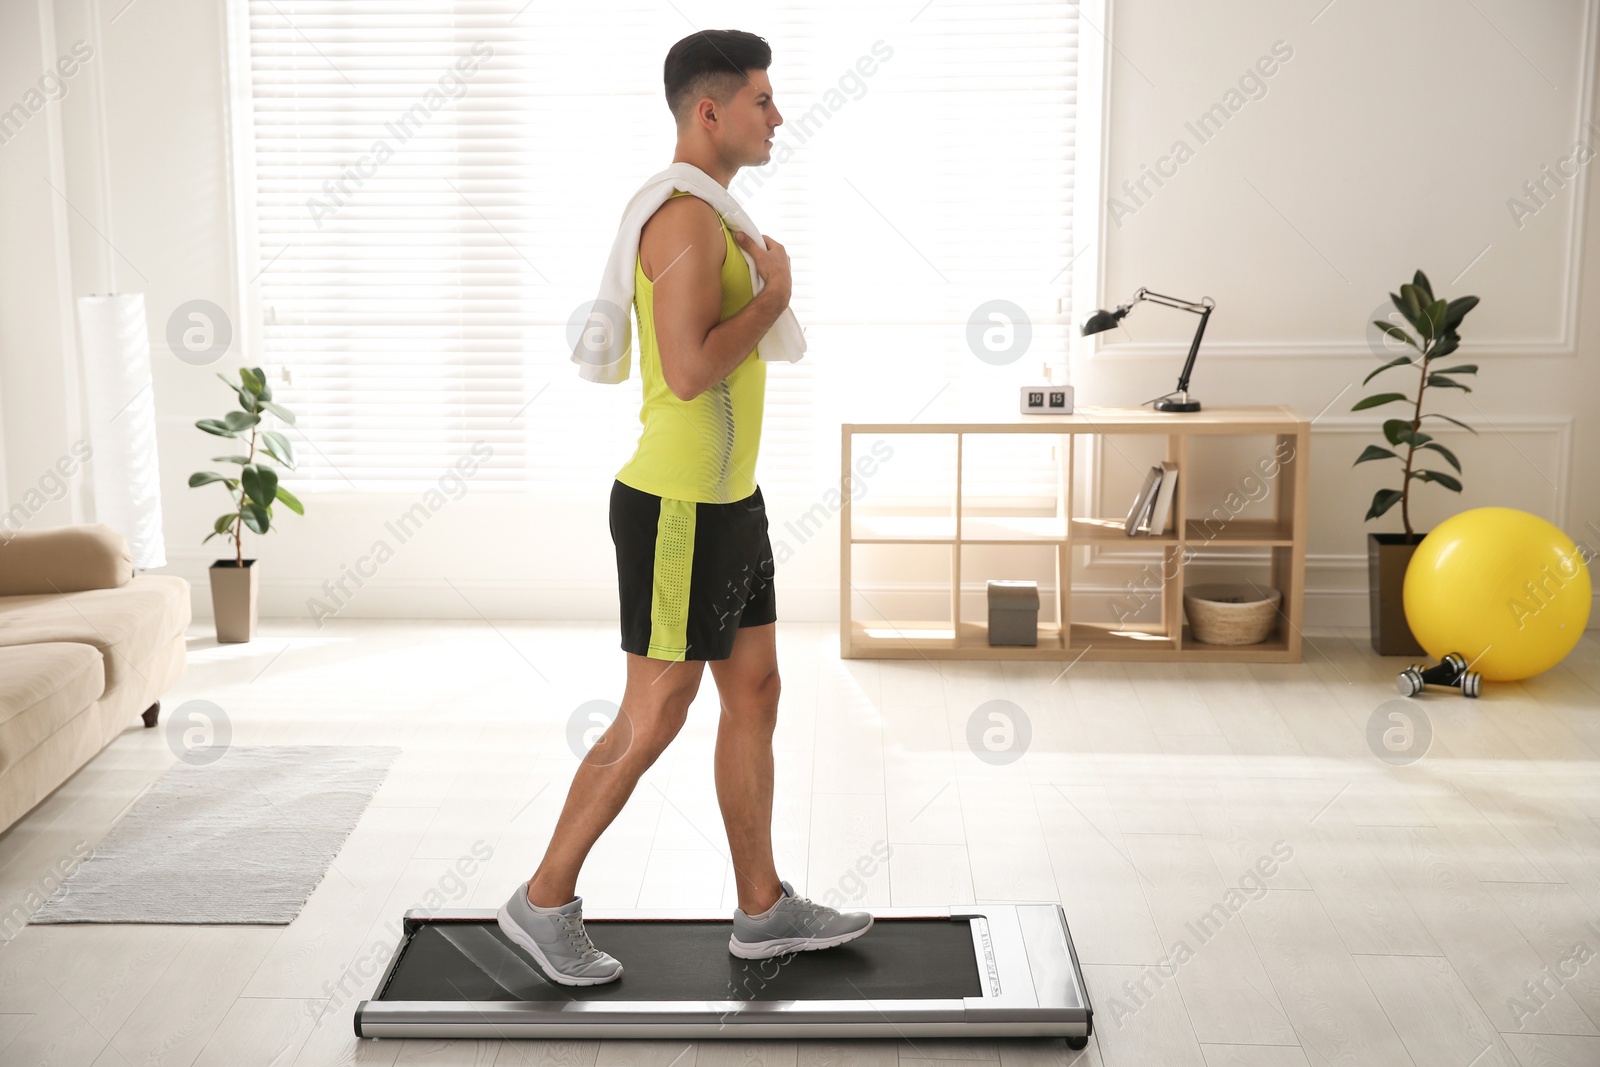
<point>438,182</point>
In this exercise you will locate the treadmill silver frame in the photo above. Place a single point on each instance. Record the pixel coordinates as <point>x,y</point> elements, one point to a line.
<point>1032,987</point>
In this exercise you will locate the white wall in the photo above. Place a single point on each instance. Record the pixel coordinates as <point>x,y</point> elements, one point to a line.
<point>1391,139</point>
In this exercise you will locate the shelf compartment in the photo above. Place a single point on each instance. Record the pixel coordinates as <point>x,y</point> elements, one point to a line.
<point>1098,531</point>
<point>976,635</point>
<point>900,491</point>
<point>1012,529</point>
<point>1268,532</point>
<point>901,592</point>
<point>902,529</point>
<point>1041,562</point>
<point>941,529</point>
<point>890,633</point>
<point>915,642</point>
<point>1276,643</point>
<point>1271,565</point>
<point>1120,636</point>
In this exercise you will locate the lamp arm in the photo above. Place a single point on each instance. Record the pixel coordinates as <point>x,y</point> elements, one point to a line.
<point>1204,304</point>
<point>1194,349</point>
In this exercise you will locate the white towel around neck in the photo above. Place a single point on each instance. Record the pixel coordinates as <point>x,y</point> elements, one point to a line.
<point>604,348</point>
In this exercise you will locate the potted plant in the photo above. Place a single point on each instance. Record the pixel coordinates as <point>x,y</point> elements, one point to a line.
<point>235,582</point>
<point>1388,554</point>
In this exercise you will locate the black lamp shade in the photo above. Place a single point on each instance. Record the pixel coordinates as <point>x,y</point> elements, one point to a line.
<point>1104,320</point>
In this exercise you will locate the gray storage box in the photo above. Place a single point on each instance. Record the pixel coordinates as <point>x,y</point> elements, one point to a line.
<point>1013,613</point>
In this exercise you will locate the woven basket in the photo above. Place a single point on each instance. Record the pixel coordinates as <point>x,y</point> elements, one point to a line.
<point>1229,613</point>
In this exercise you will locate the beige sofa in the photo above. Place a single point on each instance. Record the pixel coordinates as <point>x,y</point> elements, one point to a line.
<point>85,647</point>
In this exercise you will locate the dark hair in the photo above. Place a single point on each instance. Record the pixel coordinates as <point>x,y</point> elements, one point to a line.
<point>711,63</point>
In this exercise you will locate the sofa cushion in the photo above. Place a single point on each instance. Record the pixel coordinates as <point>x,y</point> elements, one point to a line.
<point>127,625</point>
<point>42,687</point>
<point>63,559</point>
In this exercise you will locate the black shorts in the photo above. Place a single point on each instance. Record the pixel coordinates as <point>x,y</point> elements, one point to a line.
<point>690,574</point>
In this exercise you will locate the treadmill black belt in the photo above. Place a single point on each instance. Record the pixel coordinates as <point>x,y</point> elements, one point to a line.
<point>688,960</point>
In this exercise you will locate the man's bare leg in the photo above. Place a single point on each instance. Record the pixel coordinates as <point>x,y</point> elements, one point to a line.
<point>654,707</point>
<point>747,684</point>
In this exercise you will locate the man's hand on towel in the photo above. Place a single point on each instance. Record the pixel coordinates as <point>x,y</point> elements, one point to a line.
<point>772,264</point>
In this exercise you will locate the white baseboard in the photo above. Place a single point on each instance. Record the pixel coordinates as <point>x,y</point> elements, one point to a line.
<point>1327,607</point>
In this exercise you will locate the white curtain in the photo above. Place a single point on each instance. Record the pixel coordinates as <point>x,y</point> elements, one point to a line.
<point>438,183</point>
<point>122,422</point>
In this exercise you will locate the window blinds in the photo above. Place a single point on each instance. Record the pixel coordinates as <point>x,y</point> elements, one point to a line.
<point>438,183</point>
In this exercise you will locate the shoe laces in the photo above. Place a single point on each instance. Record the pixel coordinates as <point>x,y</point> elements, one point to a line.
<point>810,907</point>
<point>578,936</point>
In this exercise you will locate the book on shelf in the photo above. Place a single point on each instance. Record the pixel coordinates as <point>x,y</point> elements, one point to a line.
<point>1139,514</point>
<point>1152,507</point>
<point>1161,510</point>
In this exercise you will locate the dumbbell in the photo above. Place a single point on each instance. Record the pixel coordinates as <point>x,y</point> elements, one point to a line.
<point>1451,671</point>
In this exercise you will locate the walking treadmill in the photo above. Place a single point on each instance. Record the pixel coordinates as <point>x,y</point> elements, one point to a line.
<point>986,970</point>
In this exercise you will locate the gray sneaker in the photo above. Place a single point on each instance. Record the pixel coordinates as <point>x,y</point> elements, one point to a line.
<point>794,924</point>
<point>557,941</point>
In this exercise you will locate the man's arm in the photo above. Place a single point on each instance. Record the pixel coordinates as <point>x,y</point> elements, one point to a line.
<point>683,242</point>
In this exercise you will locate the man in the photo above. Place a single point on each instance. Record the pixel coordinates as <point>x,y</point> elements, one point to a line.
<point>694,562</point>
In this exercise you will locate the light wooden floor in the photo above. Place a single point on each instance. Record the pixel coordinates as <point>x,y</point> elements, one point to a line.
<point>1443,913</point>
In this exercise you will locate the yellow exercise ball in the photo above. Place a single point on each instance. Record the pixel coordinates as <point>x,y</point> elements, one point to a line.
<point>1506,589</point>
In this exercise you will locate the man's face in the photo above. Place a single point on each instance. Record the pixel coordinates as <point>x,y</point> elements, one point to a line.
<point>748,128</point>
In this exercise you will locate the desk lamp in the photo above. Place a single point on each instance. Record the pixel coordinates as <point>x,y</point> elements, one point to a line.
<point>1179,399</point>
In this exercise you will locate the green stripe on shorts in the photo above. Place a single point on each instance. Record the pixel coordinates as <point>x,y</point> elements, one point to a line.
<point>669,602</point>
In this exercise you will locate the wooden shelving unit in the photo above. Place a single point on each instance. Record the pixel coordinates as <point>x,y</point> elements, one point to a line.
<point>1060,637</point>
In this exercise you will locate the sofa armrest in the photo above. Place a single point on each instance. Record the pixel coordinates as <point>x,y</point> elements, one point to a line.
<point>63,559</point>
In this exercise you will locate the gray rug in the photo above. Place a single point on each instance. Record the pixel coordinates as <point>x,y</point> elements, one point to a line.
<point>242,840</point>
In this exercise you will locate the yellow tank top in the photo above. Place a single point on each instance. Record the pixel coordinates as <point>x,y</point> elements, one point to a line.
<point>703,449</point>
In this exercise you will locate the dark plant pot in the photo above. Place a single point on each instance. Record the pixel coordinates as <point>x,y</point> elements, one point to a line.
<point>1388,555</point>
<point>233,600</point>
